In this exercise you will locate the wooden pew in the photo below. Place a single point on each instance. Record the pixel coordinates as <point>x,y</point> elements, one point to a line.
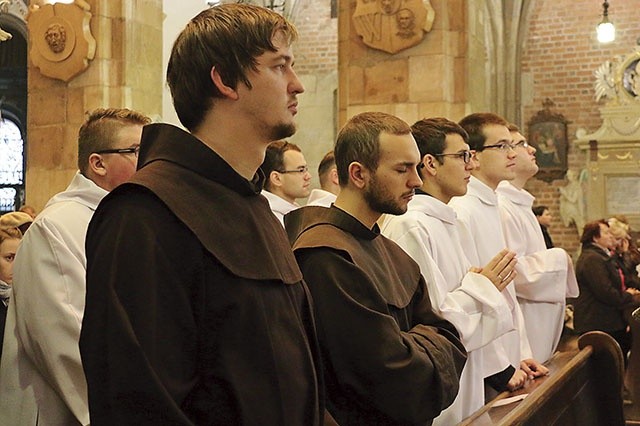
<point>632,411</point>
<point>583,388</point>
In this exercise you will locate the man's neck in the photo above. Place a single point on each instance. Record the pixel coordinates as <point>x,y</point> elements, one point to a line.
<point>282,195</point>
<point>352,203</point>
<point>234,141</point>
<point>519,182</point>
<point>484,179</point>
<point>435,191</point>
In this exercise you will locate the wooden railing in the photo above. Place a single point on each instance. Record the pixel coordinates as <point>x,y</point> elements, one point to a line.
<point>583,388</point>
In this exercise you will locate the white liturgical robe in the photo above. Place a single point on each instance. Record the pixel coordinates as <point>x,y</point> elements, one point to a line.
<point>470,301</point>
<point>41,376</point>
<point>320,197</point>
<point>482,238</point>
<point>279,206</point>
<point>545,276</point>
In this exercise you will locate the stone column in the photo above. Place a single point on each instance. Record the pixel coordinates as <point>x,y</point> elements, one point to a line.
<point>126,72</point>
<point>424,80</point>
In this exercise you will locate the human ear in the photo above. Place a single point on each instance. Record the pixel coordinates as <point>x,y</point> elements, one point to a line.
<point>358,174</point>
<point>275,178</point>
<point>96,164</point>
<point>429,162</point>
<point>334,176</point>
<point>225,90</point>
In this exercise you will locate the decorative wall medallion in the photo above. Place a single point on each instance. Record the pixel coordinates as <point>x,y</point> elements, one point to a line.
<point>618,80</point>
<point>61,40</point>
<point>393,25</point>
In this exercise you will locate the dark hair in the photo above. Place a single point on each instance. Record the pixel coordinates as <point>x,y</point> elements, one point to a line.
<point>326,164</point>
<point>592,230</point>
<point>539,210</point>
<point>359,140</point>
<point>274,159</point>
<point>474,126</point>
<point>101,129</point>
<point>228,37</point>
<point>430,135</point>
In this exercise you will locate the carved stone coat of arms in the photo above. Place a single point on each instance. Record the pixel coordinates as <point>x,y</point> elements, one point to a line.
<point>393,25</point>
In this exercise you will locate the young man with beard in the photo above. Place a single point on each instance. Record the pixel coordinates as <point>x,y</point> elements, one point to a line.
<point>480,229</point>
<point>388,357</point>
<point>190,317</point>
<point>468,297</point>
<point>545,276</point>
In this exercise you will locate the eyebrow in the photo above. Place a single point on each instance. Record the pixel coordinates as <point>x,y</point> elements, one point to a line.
<point>407,163</point>
<point>282,56</point>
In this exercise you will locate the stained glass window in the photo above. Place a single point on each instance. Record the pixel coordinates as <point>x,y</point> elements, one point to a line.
<point>11,163</point>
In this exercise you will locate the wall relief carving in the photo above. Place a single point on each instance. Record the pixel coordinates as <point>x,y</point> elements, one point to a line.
<point>61,41</point>
<point>393,25</point>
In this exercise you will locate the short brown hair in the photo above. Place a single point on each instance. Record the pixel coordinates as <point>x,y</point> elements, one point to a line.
<point>326,164</point>
<point>228,37</point>
<point>430,134</point>
<point>513,128</point>
<point>101,128</point>
<point>359,140</point>
<point>474,126</point>
<point>274,159</point>
<point>591,230</point>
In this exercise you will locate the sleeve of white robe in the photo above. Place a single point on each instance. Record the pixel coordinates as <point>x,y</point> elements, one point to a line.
<point>474,305</point>
<point>546,276</point>
<point>49,294</point>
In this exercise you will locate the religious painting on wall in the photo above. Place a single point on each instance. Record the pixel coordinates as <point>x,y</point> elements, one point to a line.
<point>548,134</point>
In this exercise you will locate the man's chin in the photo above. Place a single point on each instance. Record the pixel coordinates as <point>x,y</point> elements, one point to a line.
<point>283,131</point>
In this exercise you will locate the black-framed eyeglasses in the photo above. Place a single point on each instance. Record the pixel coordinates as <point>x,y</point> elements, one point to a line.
<point>502,146</point>
<point>466,156</point>
<point>301,170</point>
<point>132,150</point>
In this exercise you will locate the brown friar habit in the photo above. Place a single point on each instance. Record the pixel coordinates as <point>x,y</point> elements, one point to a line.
<point>388,358</point>
<point>196,313</point>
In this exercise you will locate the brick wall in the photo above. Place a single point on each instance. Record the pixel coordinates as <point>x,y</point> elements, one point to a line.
<point>317,47</point>
<point>559,57</point>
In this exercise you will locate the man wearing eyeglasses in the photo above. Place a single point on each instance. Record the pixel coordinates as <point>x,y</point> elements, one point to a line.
<point>468,297</point>
<point>41,375</point>
<point>480,228</point>
<point>545,276</point>
<point>287,177</point>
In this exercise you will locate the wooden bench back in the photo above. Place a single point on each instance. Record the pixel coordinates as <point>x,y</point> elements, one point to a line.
<point>583,388</point>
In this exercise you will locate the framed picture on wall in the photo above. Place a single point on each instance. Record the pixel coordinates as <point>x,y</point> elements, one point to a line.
<point>547,132</point>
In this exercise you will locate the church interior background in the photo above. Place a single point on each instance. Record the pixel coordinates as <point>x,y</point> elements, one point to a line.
<point>518,58</point>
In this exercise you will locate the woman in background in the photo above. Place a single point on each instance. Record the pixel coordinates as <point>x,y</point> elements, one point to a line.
<point>9,240</point>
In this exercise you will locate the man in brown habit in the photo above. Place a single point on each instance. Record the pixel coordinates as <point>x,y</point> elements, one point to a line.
<point>388,358</point>
<point>196,311</point>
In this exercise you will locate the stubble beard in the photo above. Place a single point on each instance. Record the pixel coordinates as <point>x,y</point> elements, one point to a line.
<point>283,131</point>
<point>380,201</point>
